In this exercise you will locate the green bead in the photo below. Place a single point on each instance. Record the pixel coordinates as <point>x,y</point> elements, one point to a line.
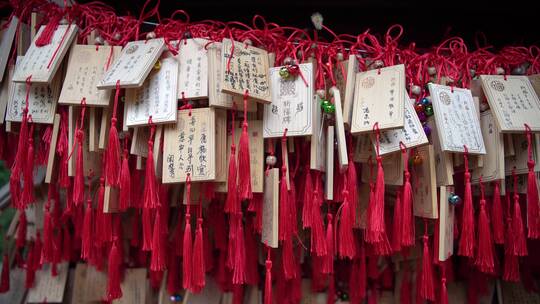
<point>324,103</point>
<point>428,110</point>
<point>330,109</point>
<point>284,72</point>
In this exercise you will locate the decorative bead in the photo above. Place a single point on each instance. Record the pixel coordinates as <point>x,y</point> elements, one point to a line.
<point>425,101</point>
<point>330,109</point>
<point>271,160</point>
<point>432,70</point>
<point>157,65</point>
<point>294,70</point>
<point>248,41</point>
<point>416,90</point>
<point>484,106</point>
<point>422,116</point>
<point>500,71</point>
<point>321,93</point>
<point>428,110</point>
<point>178,298</point>
<point>287,61</point>
<point>99,41</point>
<point>150,35</point>
<point>518,71</point>
<point>417,160</point>
<point>317,20</point>
<point>299,53</point>
<point>419,107</point>
<point>454,199</point>
<point>427,129</point>
<point>339,56</point>
<point>123,98</point>
<point>324,103</point>
<point>117,36</point>
<point>472,72</point>
<point>378,63</point>
<point>284,73</point>
<point>187,35</point>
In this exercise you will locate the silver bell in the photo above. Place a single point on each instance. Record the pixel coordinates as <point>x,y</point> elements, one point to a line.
<point>271,160</point>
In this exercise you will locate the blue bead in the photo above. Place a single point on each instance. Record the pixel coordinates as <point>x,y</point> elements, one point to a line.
<point>178,298</point>
<point>454,199</point>
<point>425,101</point>
<point>427,129</point>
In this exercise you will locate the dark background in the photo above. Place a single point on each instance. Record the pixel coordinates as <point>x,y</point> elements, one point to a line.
<point>427,23</point>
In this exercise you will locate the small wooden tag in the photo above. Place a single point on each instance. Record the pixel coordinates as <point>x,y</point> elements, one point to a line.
<point>519,160</point>
<point>446,224</point>
<point>351,70</point>
<point>363,149</point>
<point>412,134</point>
<point>513,102</point>
<point>17,291</point>
<point>93,129</point>
<point>52,149</point>
<point>317,160</point>
<point>378,97</point>
<point>104,128</point>
<point>110,199</point>
<point>493,162</point>
<point>157,97</point>
<point>189,147</point>
<point>48,288</point>
<point>42,99</point>
<point>91,160</point>
<point>291,106</point>
<point>270,215</point>
<point>329,176</point>
<point>245,68</point>
<point>221,146</point>
<point>42,63</point>
<point>197,195</point>
<point>86,66</point>
<point>443,160</point>
<point>457,119</point>
<point>424,185</point>
<point>4,94</point>
<point>134,64</point>
<point>193,68</point>
<point>139,143</point>
<point>340,131</point>
<point>7,35</point>
<point>393,170</point>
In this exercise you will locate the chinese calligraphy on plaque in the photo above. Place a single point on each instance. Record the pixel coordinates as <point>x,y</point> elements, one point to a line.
<point>193,68</point>
<point>42,62</point>
<point>291,105</point>
<point>457,120</point>
<point>245,68</point>
<point>156,97</point>
<point>513,101</point>
<point>189,147</point>
<point>42,101</point>
<point>86,67</point>
<point>412,134</point>
<point>134,64</point>
<point>378,98</point>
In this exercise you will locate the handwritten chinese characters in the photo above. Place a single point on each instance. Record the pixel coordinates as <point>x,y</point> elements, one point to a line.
<point>245,68</point>
<point>156,97</point>
<point>513,101</point>
<point>291,105</point>
<point>42,101</point>
<point>378,97</point>
<point>412,134</point>
<point>43,62</point>
<point>193,68</point>
<point>189,147</point>
<point>457,119</point>
<point>134,64</point>
<point>86,67</point>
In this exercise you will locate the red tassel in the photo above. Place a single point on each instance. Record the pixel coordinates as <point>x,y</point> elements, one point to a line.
<point>407,236</point>
<point>151,198</point>
<point>47,251</point>
<point>114,289</point>
<point>405,296</point>
<point>48,32</point>
<point>231,204</point>
<point>520,243</point>
<point>466,241</point>
<point>331,294</point>
<point>444,291</point>
<point>318,237</point>
<point>375,231</point>
<point>173,284</point>
<point>397,226</point>
<point>511,261</point>
<point>158,259</point>
<point>484,257</point>
<point>328,265</point>
<point>28,174</point>
<point>252,252</point>
<point>285,227</point>
<point>78,183</point>
<point>67,244</point>
<point>21,230</point>
<point>427,288</point>
<point>4,278</point>
<point>268,279</point>
<point>497,216</point>
<point>147,229</point>
<point>112,164</point>
<point>288,259</point>
<point>533,212</point>
<point>125,183</point>
<point>244,176</point>
<point>30,267</point>
<point>307,200</point>
<point>198,258</point>
<point>187,254</point>
<point>87,237</point>
<point>346,243</point>
<point>239,261</point>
